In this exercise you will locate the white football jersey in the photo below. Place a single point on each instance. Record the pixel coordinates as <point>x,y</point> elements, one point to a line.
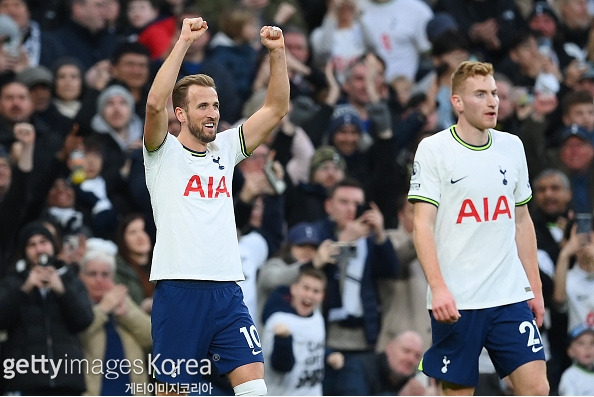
<point>191,196</point>
<point>476,190</point>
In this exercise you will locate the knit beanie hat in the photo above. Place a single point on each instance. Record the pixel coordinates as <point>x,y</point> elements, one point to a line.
<point>344,115</point>
<point>323,154</point>
<point>111,91</point>
<point>32,229</point>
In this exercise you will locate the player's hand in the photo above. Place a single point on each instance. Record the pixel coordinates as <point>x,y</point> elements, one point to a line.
<point>193,29</point>
<point>537,306</point>
<point>272,37</point>
<point>444,306</point>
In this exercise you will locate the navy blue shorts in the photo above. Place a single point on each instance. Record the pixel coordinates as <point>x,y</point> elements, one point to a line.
<point>197,324</point>
<point>509,333</point>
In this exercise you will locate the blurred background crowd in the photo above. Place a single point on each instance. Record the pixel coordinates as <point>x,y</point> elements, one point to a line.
<point>369,79</point>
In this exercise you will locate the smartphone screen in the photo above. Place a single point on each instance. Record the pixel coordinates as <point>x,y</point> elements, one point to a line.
<point>584,223</point>
<point>361,208</point>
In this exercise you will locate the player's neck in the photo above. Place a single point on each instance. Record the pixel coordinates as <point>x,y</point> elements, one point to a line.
<point>190,141</point>
<point>471,134</point>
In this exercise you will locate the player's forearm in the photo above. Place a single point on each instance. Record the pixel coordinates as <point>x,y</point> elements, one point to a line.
<point>526,242</point>
<point>167,76</point>
<point>427,253</point>
<point>277,95</point>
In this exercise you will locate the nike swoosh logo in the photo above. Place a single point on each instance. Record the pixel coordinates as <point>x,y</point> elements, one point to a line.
<point>536,349</point>
<point>256,352</point>
<point>457,180</point>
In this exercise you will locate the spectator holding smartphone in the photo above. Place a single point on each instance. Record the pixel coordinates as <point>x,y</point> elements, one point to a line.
<point>574,288</point>
<point>351,306</point>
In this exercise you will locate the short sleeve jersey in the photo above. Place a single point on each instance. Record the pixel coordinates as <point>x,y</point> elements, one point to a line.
<point>191,196</point>
<point>475,190</point>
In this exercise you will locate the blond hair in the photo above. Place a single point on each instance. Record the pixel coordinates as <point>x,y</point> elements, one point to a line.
<point>469,69</point>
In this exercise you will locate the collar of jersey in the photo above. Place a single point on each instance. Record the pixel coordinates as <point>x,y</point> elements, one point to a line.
<point>195,153</point>
<point>468,145</point>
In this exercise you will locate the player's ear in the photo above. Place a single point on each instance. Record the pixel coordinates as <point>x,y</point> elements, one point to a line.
<point>457,103</point>
<point>180,114</point>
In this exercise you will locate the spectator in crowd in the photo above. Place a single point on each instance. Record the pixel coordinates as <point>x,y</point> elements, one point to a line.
<point>305,201</point>
<point>118,132</point>
<point>43,305</point>
<point>575,25</point>
<point>14,175</point>
<point>16,112</point>
<point>13,57</point>
<point>449,49</point>
<point>527,116</point>
<point>585,81</point>
<point>543,20</point>
<point>158,34</point>
<point>120,329</point>
<point>260,203</point>
<point>84,36</point>
<point>398,31</point>
<point>133,261</point>
<point>130,67</point>
<point>93,194</point>
<point>489,25</point>
<point>69,90</point>
<point>392,371</point>
<point>114,22</point>
<point>253,190</point>
<point>39,49</point>
<point>231,47</point>
<point>292,146</point>
<point>61,208</point>
<point>403,306</point>
<point>39,80</point>
<point>305,78</point>
<point>578,108</point>
<point>574,287</point>
<point>576,154</point>
<point>578,380</point>
<point>140,14</point>
<point>529,68</point>
<point>550,215</point>
<point>375,167</point>
<point>294,336</point>
<point>341,39</point>
<point>302,248</point>
<point>351,306</point>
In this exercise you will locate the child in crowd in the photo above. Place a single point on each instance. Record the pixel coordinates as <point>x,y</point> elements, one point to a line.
<point>294,336</point>
<point>578,379</point>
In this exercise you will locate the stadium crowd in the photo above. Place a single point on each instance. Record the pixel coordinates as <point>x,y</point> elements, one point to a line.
<point>322,202</point>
